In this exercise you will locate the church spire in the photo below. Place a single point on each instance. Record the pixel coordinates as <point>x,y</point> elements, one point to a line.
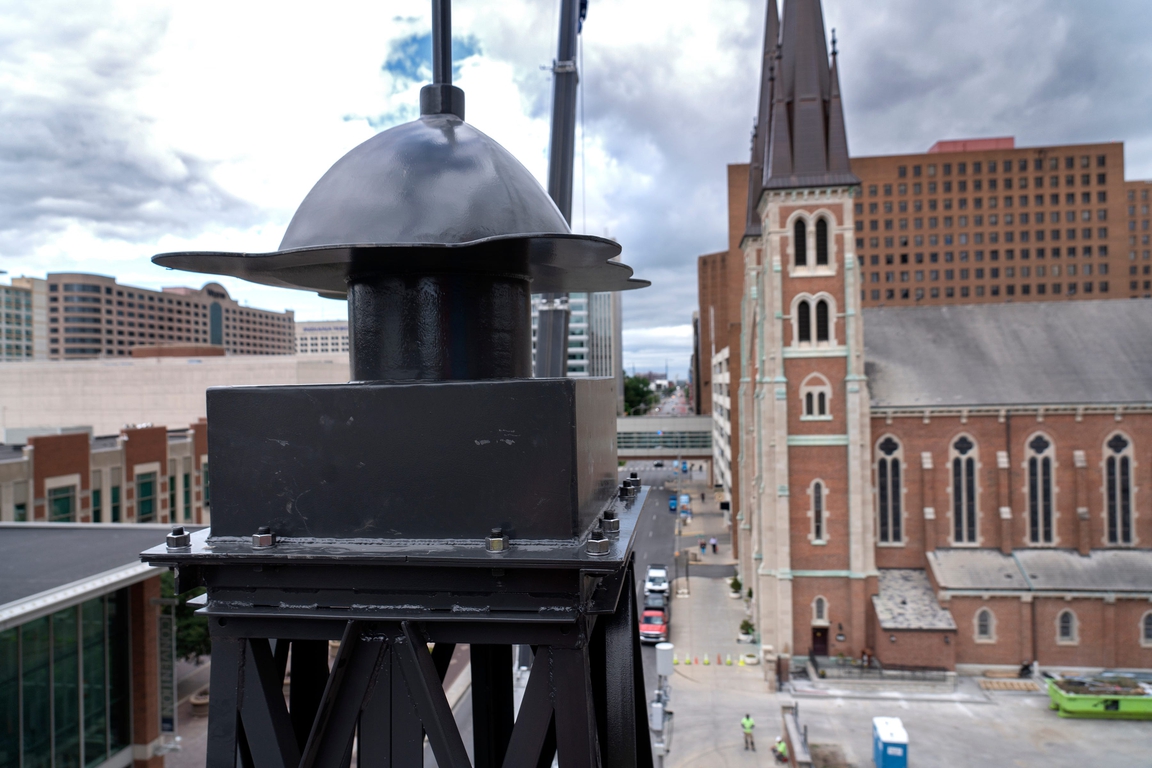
<point>763,122</point>
<point>837,137</point>
<point>808,146</point>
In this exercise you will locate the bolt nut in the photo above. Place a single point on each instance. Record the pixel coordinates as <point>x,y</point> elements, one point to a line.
<point>263,538</point>
<point>598,543</point>
<point>634,476</point>
<point>496,541</point>
<point>179,538</point>
<point>610,523</point>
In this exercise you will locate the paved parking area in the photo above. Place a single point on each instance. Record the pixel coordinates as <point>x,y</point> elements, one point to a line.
<point>1008,729</point>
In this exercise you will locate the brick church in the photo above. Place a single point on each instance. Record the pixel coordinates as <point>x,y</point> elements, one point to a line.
<point>940,485</point>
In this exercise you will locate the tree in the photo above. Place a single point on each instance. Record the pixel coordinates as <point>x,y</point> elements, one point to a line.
<point>192,639</point>
<point>638,395</point>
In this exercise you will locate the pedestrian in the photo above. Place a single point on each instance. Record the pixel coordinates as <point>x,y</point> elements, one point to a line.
<point>703,545</point>
<point>701,497</point>
<point>748,724</point>
<point>715,545</point>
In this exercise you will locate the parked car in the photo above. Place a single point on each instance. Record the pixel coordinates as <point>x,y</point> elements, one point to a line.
<point>656,580</point>
<point>659,601</point>
<point>653,627</point>
<point>658,464</point>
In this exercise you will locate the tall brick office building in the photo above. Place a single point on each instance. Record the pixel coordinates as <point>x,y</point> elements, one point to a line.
<point>940,484</point>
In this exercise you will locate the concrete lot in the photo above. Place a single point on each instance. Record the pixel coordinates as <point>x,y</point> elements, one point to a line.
<point>1009,729</point>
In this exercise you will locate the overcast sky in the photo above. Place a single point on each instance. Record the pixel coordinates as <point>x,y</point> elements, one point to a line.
<point>132,128</point>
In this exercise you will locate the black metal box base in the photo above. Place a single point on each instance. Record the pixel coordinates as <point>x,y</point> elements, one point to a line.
<point>536,457</point>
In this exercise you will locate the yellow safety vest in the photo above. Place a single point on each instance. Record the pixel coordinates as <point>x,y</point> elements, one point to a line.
<point>747,724</point>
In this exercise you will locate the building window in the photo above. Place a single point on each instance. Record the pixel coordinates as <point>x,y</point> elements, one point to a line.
<point>1146,629</point>
<point>889,492</point>
<point>822,320</point>
<point>985,626</point>
<point>964,491</point>
<point>819,517</point>
<point>804,322</point>
<point>187,496</point>
<point>816,398</point>
<point>1040,490</point>
<point>146,497</point>
<point>55,662</point>
<point>821,242</point>
<point>62,504</point>
<point>820,612</point>
<point>172,490</point>
<point>800,242</point>
<point>1067,628</point>
<point>1118,489</point>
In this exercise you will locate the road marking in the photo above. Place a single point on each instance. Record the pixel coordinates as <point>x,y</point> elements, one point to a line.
<point>649,534</point>
<point>839,702</point>
<point>965,710</point>
<point>903,703</point>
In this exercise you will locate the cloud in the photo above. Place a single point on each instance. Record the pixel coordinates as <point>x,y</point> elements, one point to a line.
<point>131,128</point>
<point>73,147</point>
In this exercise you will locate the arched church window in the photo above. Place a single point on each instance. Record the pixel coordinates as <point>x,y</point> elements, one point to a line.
<point>800,242</point>
<point>1040,452</point>
<point>821,320</point>
<point>984,624</point>
<point>821,242</point>
<point>1118,490</point>
<point>1066,628</point>
<point>964,491</point>
<point>804,322</point>
<point>889,491</point>
<point>817,511</point>
<point>816,396</point>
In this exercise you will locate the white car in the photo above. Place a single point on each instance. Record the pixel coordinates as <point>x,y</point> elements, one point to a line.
<point>656,579</point>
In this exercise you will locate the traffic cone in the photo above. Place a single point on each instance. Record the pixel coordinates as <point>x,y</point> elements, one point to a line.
<point>697,659</point>
<point>741,662</point>
<point>728,660</point>
<point>675,660</point>
<point>687,660</point>
<point>705,659</point>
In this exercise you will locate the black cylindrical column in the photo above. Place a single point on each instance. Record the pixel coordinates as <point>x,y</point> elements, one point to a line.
<point>439,326</point>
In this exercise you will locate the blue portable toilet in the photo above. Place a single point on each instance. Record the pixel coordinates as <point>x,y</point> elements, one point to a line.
<point>889,743</point>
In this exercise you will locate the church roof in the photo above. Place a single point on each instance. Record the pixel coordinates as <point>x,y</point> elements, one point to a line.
<point>807,144</point>
<point>1058,570</point>
<point>763,118</point>
<point>906,601</point>
<point>1043,353</point>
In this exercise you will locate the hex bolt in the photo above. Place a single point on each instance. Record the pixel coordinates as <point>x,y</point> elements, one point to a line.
<point>635,476</point>
<point>610,523</point>
<point>496,541</point>
<point>263,538</point>
<point>179,538</point>
<point>598,543</point>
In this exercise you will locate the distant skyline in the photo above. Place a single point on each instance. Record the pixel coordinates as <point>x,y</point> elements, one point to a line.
<point>132,129</point>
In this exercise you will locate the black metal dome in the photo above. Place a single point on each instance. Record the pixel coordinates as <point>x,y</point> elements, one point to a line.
<point>432,193</point>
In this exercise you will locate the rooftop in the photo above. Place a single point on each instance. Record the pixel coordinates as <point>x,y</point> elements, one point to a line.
<point>1042,353</point>
<point>1058,570</point>
<point>906,601</point>
<point>47,567</point>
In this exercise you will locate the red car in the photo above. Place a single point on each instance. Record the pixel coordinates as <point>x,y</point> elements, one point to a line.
<point>653,627</point>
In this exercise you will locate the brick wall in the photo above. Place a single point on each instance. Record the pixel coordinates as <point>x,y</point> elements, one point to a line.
<point>145,671</point>
<point>145,446</point>
<point>56,456</point>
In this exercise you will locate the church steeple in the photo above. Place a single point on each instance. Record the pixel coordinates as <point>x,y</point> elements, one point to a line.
<point>763,122</point>
<point>808,145</point>
<point>837,138</point>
